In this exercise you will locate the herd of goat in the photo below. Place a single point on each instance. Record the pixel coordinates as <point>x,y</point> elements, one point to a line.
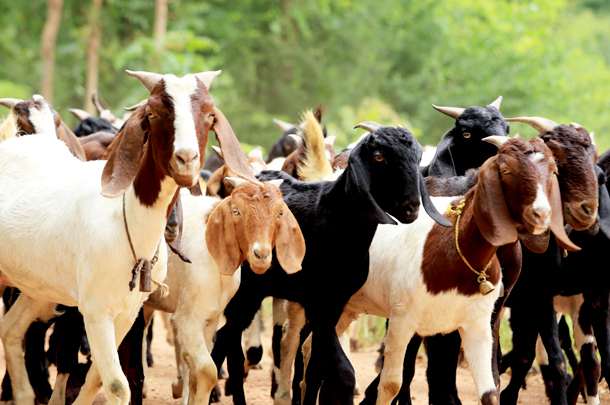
<point>328,235</point>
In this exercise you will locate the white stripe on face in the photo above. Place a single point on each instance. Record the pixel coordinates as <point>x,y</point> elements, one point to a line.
<point>541,204</point>
<point>42,120</point>
<point>181,90</point>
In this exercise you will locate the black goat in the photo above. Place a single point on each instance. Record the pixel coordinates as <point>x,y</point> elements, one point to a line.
<point>382,176</point>
<point>92,125</point>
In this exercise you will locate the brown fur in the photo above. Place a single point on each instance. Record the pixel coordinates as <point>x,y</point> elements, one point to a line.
<point>500,201</point>
<point>216,186</point>
<point>252,214</point>
<point>95,145</point>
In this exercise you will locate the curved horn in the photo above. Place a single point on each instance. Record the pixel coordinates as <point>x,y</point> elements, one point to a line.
<point>453,112</point>
<point>370,126</point>
<point>208,77</point>
<point>10,102</point>
<point>80,114</point>
<point>38,97</point>
<point>542,125</point>
<point>297,139</point>
<point>148,79</point>
<point>496,140</point>
<point>96,102</point>
<point>330,140</point>
<point>497,103</point>
<point>136,106</point>
<point>575,125</point>
<point>235,181</point>
<point>284,126</point>
<point>218,151</point>
<point>256,153</point>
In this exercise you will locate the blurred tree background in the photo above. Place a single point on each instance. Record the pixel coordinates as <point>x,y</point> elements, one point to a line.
<point>364,60</point>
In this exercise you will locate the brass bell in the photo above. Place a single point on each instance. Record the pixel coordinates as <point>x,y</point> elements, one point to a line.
<point>485,287</point>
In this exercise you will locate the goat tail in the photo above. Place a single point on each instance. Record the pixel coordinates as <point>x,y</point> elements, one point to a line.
<point>315,165</point>
<point>8,127</point>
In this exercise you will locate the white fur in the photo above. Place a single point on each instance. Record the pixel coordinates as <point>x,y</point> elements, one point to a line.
<point>63,242</point>
<point>181,90</point>
<point>198,295</point>
<point>536,157</point>
<point>42,120</point>
<point>541,204</point>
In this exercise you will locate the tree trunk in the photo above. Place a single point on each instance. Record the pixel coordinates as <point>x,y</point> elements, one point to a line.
<point>93,55</point>
<point>159,30</point>
<point>49,35</point>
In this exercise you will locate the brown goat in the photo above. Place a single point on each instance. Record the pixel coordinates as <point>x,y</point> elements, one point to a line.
<point>217,186</point>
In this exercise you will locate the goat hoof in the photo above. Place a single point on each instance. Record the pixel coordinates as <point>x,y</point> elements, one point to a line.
<point>177,386</point>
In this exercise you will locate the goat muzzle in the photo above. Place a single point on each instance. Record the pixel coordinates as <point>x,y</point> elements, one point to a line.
<point>581,214</point>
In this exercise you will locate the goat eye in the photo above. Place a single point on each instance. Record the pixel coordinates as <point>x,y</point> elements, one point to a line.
<point>279,215</point>
<point>378,157</point>
<point>151,115</point>
<point>466,135</point>
<point>236,212</point>
<point>505,171</point>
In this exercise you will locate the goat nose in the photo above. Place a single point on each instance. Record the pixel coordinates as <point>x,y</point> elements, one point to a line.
<point>410,206</point>
<point>186,156</point>
<point>587,208</point>
<point>260,252</point>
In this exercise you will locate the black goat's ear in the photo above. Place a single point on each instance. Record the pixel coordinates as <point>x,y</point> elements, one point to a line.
<point>603,210</point>
<point>429,206</point>
<point>442,164</point>
<point>357,187</point>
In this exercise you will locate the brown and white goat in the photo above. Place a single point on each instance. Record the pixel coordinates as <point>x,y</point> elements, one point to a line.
<point>64,232</point>
<point>419,279</point>
<point>38,117</point>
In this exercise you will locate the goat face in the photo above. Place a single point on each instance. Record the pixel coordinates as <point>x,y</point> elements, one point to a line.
<point>36,117</point>
<point>575,156</point>
<point>249,224</point>
<point>384,169</point>
<point>283,146</point>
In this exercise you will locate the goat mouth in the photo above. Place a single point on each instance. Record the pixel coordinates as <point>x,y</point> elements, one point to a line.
<point>259,267</point>
<point>535,225</point>
<point>185,180</point>
<point>578,221</point>
<point>171,235</point>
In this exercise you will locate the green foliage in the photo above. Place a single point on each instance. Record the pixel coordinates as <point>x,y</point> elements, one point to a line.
<point>363,60</point>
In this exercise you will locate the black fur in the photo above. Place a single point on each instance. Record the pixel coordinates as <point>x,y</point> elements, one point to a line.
<point>91,125</point>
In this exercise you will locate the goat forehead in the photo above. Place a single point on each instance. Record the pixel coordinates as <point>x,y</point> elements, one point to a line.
<point>42,119</point>
<point>181,91</point>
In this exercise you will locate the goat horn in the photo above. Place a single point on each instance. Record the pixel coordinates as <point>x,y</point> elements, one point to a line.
<point>96,102</point>
<point>284,126</point>
<point>256,152</point>
<point>277,182</point>
<point>80,114</point>
<point>297,139</point>
<point>136,106</point>
<point>148,79</point>
<point>208,77</point>
<point>592,136</point>
<point>496,140</point>
<point>575,125</point>
<point>399,126</point>
<point>453,112</point>
<point>370,126</point>
<point>497,103</point>
<point>235,181</point>
<point>218,151</point>
<point>10,102</point>
<point>517,135</point>
<point>38,97</point>
<point>542,125</point>
<point>330,140</point>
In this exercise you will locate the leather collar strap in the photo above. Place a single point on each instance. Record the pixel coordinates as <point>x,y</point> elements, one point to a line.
<point>143,266</point>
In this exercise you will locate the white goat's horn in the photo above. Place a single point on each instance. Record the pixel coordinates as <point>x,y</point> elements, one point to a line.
<point>575,125</point>
<point>284,126</point>
<point>96,102</point>
<point>496,140</point>
<point>148,79</point>
<point>256,152</point>
<point>10,102</point>
<point>399,126</point>
<point>136,106</point>
<point>208,77</point>
<point>235,181</point>
<point>497,103</point>
<point>517,135</point>
<point>330,140</point>
<point>218,151</point>
<point>453,112</point>
<point>592,135</point>
<point>38,97</point>
<point>297,139</point>
<point>80,114</point>
<point>542,125</point>
<point>370,126</point>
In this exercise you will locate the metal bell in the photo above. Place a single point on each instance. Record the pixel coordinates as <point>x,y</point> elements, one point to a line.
<point>485,287</point>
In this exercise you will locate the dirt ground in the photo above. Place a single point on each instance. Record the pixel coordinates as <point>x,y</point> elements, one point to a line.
<point>258,384</point>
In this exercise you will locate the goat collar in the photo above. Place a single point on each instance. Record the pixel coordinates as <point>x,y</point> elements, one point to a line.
<point>485,287</point>
<point>142,265</point>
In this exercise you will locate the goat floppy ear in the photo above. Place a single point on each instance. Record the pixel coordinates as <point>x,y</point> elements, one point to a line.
<point>428,206</point>
<point>233,154</point>
<point>221,239</point>
<point>490,209</point>
<point>603,209</point>
<point>289,244</point>
<point>214,185</point>
<point>65,134</point>
<point>557,218</point>
<point>442,164</point>
<point>124,159</point>
<point>357,187</point>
